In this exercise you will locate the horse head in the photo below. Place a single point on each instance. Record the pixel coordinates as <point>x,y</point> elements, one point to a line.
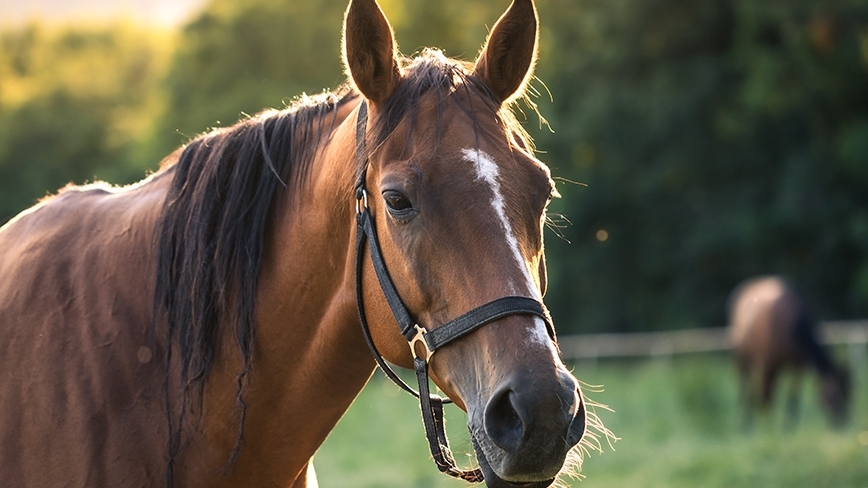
<point>459,203</point>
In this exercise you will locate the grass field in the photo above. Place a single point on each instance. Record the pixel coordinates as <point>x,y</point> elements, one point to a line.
<point>678,419</point>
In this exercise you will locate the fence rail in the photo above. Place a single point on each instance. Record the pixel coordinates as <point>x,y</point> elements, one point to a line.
<point>853,333</point>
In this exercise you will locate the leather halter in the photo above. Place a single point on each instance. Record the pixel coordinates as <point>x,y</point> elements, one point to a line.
<point>431,404</point>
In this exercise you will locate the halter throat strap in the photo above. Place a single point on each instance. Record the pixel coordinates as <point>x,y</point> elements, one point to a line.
<point>423,343</point>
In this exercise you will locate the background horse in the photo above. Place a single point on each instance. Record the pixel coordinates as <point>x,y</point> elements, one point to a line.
<point>200,328</point>
<point>772,330</point>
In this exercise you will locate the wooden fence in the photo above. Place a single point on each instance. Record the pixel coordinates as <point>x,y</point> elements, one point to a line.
<point>853,333</point>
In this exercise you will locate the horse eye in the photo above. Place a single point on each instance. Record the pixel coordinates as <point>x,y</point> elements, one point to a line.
<point>396,201</point>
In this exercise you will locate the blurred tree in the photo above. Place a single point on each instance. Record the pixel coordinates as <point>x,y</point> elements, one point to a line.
<point>718,140</point>
<point>239,58</point>
<point>73,104</point>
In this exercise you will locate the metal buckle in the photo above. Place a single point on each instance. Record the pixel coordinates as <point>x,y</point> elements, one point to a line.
<point>361,202</point>
<point>420,337</point>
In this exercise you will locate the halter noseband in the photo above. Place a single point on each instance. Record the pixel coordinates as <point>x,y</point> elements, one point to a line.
<point>427,341</point>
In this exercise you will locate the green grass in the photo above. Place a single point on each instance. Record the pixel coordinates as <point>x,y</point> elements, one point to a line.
<point>679,421</point>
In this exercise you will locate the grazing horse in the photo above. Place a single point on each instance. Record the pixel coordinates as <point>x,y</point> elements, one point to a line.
<point>203,327</point>
<point>771,330</point>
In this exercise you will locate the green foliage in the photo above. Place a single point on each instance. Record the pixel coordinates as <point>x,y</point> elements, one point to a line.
<point>240,58</point>
<point>718,140</point>
<point>74,102</point>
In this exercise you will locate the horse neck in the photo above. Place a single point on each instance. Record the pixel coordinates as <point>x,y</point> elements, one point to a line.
<point>309,349</point>
<point>307,285</point>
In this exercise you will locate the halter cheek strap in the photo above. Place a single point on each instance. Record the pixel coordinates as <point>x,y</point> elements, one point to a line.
<point>423,343</point>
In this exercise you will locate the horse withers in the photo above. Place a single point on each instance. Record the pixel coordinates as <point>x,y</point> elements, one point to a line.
<point>771,330</point>
<point>202,327</point>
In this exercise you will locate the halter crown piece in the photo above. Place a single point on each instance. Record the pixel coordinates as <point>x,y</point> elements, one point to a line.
<point>428,341</point>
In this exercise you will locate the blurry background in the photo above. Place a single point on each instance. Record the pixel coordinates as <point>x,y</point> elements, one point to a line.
<point>695,144</point>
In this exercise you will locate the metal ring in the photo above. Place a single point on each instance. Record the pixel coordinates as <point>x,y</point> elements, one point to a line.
<point>420,337</point>
<point>362,202</point>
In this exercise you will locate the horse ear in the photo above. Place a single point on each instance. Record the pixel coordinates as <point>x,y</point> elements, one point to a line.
<point>507,59</point>
<point>369,50</point>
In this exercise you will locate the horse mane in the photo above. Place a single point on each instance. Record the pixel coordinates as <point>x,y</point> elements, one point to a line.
<point>210,234</point>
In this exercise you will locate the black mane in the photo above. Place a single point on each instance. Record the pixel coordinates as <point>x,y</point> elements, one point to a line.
<point>212,226</point>
<point>210,237</point>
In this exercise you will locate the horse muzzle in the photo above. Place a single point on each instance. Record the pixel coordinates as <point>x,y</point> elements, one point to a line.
<point>525,430</point>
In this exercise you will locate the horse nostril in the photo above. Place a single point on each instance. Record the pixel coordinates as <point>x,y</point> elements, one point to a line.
<point>577,427</point>
<point>503,424</point>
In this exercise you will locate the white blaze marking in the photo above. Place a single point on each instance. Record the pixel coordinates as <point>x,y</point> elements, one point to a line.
<point>488,171</point>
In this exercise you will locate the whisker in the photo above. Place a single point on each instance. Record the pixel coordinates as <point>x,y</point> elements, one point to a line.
<point>567,180</point>
<point>592,440</point>
<point>556,222</point>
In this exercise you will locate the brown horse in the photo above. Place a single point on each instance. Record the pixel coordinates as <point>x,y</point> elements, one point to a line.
<point>771,330</point>
<point>201,327</point>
